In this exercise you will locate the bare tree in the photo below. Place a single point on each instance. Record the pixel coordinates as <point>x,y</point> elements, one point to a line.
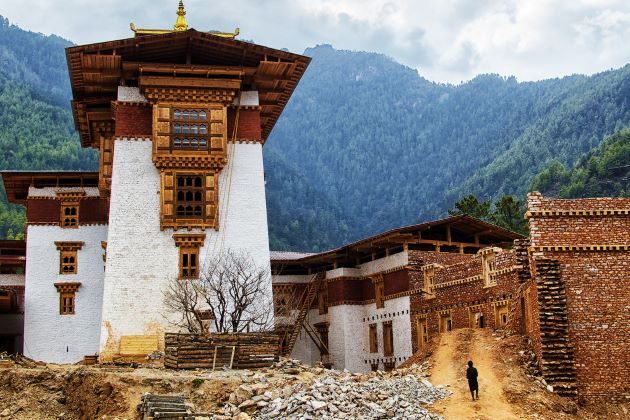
<point>232,287</point>
<point>184,298</point>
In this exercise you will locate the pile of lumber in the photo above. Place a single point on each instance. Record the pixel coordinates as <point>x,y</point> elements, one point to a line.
<point>163,407</point>
<point>214,351</point>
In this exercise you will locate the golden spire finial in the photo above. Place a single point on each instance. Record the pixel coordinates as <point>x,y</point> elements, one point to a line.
<point>181,24</point>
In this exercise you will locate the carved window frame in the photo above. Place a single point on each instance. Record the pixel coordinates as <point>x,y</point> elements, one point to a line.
<point>69,208</point>
<point>67,297</point>
<point>170,189</point>
<point>68,249</point>
<point>189,245</point>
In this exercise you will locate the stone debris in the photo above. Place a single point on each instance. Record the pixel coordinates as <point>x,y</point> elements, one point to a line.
<point>332,394</point>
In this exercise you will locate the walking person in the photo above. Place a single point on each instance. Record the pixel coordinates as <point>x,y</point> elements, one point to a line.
<point>471,375</point>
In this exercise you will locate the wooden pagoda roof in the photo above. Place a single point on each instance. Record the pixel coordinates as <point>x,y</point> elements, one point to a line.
<point>96,70</point>
<point>450,232</point>
<point>17,183</point>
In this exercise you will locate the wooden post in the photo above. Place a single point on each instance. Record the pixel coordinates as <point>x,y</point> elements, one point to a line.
<point>232,358</point>
<point>461,248</point>
<point>214,360</point>
<point>448,234</point>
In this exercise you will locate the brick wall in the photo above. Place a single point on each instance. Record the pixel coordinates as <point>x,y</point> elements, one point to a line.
<point>594,265</point>
<point>47,211</point>
<point>43,210</point>
<point>460,292</point>
<point>248,124</point>
<point>133,120</point>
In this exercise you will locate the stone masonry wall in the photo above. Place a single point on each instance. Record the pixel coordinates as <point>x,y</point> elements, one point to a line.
<point>460,293</point>
<point>590,240</point>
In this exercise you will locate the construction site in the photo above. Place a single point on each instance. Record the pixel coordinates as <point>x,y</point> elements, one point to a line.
<point>147,289</point>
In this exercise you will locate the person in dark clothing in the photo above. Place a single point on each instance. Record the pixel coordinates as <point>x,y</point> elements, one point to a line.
<point>471,375</point>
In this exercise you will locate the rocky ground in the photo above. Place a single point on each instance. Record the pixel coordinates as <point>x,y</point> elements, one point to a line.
<point>402,394</point>
<point>435,389</point>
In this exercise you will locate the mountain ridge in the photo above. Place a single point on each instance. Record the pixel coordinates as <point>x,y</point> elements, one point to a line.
<point>365,144</point>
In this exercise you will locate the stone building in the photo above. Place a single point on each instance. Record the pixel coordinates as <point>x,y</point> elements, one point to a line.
<point>375,303</point>
<point>179,118</point>
<point>575,304</point>
<point>361,311</point>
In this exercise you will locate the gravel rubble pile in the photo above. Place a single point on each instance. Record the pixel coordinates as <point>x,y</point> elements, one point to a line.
<point>331,394</point>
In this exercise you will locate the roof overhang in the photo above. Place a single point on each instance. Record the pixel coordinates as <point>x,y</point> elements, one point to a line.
<point>96,70</point>
<point>450,232</point>
<point>17,183</point>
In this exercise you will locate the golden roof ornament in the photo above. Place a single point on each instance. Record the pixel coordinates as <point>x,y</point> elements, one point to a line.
<point>180,26</point>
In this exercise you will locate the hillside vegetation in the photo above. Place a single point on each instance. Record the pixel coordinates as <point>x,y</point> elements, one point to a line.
<point>602,172</point>
<point>365,144</point>
<point>393,148</point>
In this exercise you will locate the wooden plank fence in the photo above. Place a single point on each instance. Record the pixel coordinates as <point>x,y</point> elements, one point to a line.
<point>214,351</point>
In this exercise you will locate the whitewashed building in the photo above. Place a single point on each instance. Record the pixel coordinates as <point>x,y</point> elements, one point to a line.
<point>179,118</point>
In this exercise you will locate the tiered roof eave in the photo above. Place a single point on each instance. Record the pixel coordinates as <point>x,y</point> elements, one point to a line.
<point>96,70</point>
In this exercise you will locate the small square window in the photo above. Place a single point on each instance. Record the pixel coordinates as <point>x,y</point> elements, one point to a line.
<point>69,217</point>
<point>189,263</point>
<point>66,303</point>
<point>68,262</point>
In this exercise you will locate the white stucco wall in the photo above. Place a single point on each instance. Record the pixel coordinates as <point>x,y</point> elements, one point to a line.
<point>141,259</point>
<point>385,263</point>
<point>49,336</point>
<point>305,349</point>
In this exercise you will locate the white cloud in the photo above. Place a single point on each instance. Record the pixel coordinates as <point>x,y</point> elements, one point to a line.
<point>449,40</point>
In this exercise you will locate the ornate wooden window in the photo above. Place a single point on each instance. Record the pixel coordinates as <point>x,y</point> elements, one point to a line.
<point>189,263</point>
<point>67,297</point>
<point>428,272</point>
<point>68,256</point>
<point>190,197</point>
<point>68,263</point>
<point>189,129</point>
<point>373,339</point>
<point>388,339</point>
<point>189,245</point>
<point>489,265</point>
<point>69,215</point>
<point>69,209</point>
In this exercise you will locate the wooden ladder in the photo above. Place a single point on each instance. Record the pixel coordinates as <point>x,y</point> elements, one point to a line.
<point>308,297</point>
<point>515,308</point>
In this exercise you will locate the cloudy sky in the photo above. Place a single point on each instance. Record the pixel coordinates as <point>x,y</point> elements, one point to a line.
<point>446,40</point>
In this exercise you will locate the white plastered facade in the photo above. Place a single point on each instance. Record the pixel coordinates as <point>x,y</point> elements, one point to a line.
<point>49,336</point>
<point>142,259</point>
<point>348,331</point>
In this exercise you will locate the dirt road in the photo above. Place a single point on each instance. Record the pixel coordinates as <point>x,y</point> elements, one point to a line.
<point>449,367</point>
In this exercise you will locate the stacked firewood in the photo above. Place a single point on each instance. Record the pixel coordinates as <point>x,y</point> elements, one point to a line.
<point>557,353</point>
<point>215,351</point>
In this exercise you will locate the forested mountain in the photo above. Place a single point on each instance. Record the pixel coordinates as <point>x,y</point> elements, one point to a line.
<point>602,172</point>
<point>36,127</point>
<point>393,148</point>
<point>365,143</point>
